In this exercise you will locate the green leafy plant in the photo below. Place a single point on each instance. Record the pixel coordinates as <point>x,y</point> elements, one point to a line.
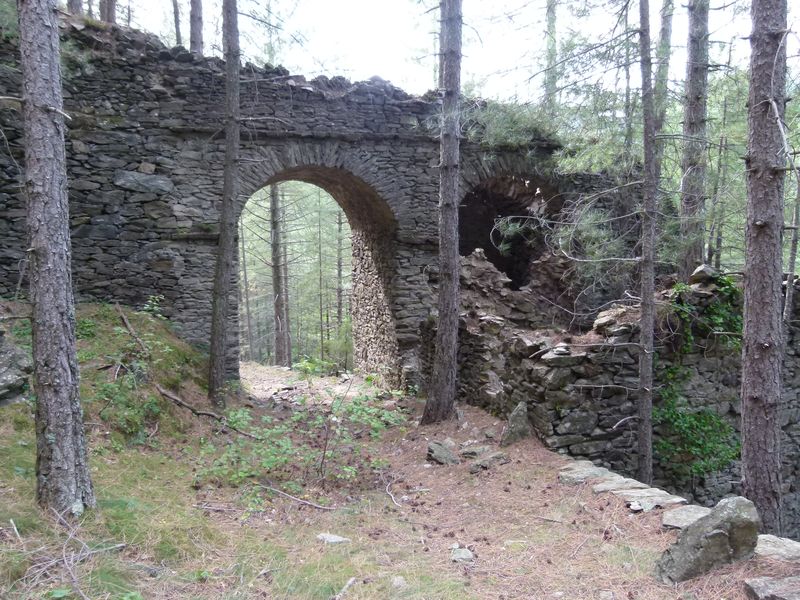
<point>152,306</point>
<point>694,442</point>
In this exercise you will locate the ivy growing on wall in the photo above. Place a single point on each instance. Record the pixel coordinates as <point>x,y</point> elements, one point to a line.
<point>697,442</point>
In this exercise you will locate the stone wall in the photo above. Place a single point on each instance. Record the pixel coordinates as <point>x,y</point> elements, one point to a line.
<point>145,155</point>
<point>581,390</point>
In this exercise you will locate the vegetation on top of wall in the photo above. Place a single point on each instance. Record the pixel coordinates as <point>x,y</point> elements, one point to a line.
<point>498,124</point>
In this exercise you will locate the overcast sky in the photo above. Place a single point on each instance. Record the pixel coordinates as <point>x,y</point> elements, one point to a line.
<point>394,39</point>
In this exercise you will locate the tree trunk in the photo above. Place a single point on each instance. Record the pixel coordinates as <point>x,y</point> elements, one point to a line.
<point>551,74</point>
<point>339,280</point>
<point>90,9</point>
<point>280,296</point>
<point>196,26</point>
<point>693,163</point>
<point>661,84</point>
<point>223,274</point>
<point>176,15</point>
<point>251,351</point>
<point>762,348</point>
<point>647,274</point>
<point>628,104</point>
<point>63,482</point>
<point>108,11</point>
<point>320,277</point>
<point>75,7</point>
<point>443,390</point>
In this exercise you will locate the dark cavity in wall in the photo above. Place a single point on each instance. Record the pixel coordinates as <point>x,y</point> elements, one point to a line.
<point>507,200</point>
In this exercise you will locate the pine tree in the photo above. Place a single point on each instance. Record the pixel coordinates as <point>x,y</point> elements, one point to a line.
<point>223,274</point>
<point>443,389</point>
<point>63,482</point>
<point>763,346</point>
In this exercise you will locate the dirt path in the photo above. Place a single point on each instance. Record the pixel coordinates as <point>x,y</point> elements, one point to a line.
<point>530,536</point>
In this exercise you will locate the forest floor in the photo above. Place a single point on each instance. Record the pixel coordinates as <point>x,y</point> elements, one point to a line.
<point>187,508</point>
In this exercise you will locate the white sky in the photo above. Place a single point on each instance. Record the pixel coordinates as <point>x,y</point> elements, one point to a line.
<point>393,39</point>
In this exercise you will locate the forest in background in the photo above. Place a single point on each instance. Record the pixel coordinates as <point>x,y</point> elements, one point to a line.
<point>314,278</point>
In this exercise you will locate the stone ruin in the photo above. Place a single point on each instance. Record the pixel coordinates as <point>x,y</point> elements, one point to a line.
<point>145,154</point>
<point>580,389</point>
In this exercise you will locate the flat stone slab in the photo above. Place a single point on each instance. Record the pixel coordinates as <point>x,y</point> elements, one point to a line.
<point>618,483</point>
<point>581,471</point>
<point>678,518</point>
<point>645,500</point>
<point>330,538</point>
<point>780,548</point>
<point>773,588</point>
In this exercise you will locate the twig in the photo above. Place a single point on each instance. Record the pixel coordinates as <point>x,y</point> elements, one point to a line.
<point>548,519</point>
<point>212,508</point>
<point>203,413</point>
<point>575,552</point>
<point>343,591</point>
<point>130,329</point>
<point>295,498</point>
<point>16,531</point>
<point>389,491</point>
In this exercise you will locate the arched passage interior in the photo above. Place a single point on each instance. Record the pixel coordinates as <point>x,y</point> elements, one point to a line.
<point>513,200</point>
<point>372,231</point>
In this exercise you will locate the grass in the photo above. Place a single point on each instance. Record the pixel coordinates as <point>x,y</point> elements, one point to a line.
<point>207,538</point>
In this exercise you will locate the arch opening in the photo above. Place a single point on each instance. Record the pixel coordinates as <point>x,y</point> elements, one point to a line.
<point>335,270</point>
<point>507,200</point>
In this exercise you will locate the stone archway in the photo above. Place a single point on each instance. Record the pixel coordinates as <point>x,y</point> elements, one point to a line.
<point>373,227</point>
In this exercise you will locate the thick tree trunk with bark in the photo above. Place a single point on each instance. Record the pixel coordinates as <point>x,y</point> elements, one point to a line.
<point>196,26</point>
<point>75,7</point>
<point>223,274</point>
<point>108,11</point>
<point>62,470</point>
<point>176,15</point>
<point>693,163</point>
<point>762,348</point>
<point>279,281</point>
<point>442,391</point>
<point>647,273</point>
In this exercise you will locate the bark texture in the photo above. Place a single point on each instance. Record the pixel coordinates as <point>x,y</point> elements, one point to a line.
<point>62,471</point>
<point>251,347</point>
<point>75,7</point>
<point>551,74</point>
<point>661,84</point>
<point>108,11</point>
<point>223,274</point>
<point>762,348</point>
<point>443,388</point>
<point>176,15</point>
<point>693,162</point>
<point>283,346</point>
<point>196,26</point>
<point>647,274</point>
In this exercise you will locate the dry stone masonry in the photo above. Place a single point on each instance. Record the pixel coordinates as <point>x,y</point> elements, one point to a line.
<point>580,391</point>
<point>145,161</point>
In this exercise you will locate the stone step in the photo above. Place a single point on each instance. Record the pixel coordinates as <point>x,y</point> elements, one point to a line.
<point>773,588</point>
<point>778,548</point>
<point>678,518</point>
<point>645,500</point>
